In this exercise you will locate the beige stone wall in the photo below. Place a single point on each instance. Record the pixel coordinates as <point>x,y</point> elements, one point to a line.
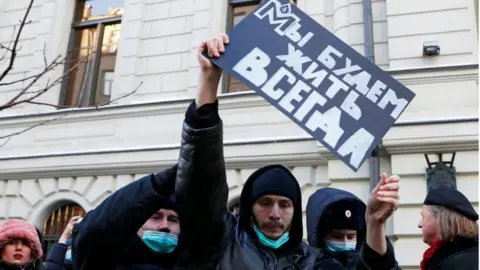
<point>34,199</point>
<point>409,246</point>
<point>89,154</point>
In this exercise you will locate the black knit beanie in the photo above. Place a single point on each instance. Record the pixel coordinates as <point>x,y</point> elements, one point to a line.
<point>171,202</point>
<point>274,182</point>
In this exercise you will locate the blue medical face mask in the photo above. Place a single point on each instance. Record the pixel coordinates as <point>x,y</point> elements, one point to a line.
<point>340,246</point>
<point>68,256</point>
<point>160,242</point>
<point>275,244</point>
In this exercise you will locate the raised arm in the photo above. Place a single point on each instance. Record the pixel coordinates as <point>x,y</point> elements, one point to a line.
<point>201,188</point>
<point>377,252</point>
<point>56,257</point>
<point>370,259</point>
<point>110,226</point>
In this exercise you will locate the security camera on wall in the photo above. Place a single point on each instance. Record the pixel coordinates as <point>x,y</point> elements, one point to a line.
<point>431,48</point>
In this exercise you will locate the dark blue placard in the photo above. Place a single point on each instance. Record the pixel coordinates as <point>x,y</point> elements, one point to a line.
<point>322,84</point>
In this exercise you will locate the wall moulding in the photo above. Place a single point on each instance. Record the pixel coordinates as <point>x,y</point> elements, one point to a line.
<point>459,134</point>
<point>464,143</point>
<point>248,153</point>
<point>238,155</point>
<point>163,107</point>
<point>426,136</point>
<point>226,101</point>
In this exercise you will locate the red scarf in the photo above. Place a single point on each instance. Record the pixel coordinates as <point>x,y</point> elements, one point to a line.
<point>428,254</point>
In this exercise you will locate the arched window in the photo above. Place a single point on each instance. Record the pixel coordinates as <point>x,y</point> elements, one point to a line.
<point>57,221</point>
<point>239,9</point>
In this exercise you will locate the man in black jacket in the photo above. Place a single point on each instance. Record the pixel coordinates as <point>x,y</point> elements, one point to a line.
<point>267,233</point>
<point>336,224</point>
<point>135,228</point>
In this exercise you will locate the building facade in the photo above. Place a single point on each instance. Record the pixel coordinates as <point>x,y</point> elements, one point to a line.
<point>77,154</point>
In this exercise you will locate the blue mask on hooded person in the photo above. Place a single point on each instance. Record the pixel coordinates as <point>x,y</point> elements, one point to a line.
<point>68,256</point>
<point>160,242</point>
<point>275,244</point>
<point>340,246</point>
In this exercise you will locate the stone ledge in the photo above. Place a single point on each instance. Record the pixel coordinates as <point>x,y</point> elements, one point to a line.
<point>238,155</point>
<point>426,137</point>
<point>230,100</point>
<point>160,107</point>
<point>433,145</point>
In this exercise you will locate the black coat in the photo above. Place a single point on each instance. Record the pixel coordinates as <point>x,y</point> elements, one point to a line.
<point>56,258</point>
<point>212,237</point>
<point>32,266</point>
<point>317,206</point>
<point>107,238</point>
<point>460,254</point>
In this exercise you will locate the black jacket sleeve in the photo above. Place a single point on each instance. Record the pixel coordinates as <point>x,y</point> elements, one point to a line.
<point>369,259</point>
<point>56,257</point>
<point>108,228</point>
<point>201,187</point>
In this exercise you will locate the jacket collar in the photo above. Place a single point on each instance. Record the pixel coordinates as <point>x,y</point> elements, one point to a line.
<point>443,251</point>
<point>6,266</point>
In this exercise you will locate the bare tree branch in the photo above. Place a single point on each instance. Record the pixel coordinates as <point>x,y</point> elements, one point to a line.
<point>5,142</point>
<point>6,48</point>
<point>58,62</point>
<point>14,50</point>
<point>48,86</point>
<point>9,136</point>
<point>48,104</point>
<point>29,91</point>
<point>32,127</point>
<point>120,97</point>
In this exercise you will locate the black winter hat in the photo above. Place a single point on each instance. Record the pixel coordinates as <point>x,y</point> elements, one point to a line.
<point>452,199</point>
<point>275,182</point>
<point>171,202</point>
<point>246,197</point>
<point>345,214</point>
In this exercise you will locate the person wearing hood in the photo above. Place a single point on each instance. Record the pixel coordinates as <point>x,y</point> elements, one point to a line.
<point>336,225</point>
<point>137,227</point>
<point>20,246</point>
<point>60,254</point>
<point>267,232</point>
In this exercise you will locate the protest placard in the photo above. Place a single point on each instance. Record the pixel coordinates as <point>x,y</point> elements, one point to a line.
<point>326,87</point>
